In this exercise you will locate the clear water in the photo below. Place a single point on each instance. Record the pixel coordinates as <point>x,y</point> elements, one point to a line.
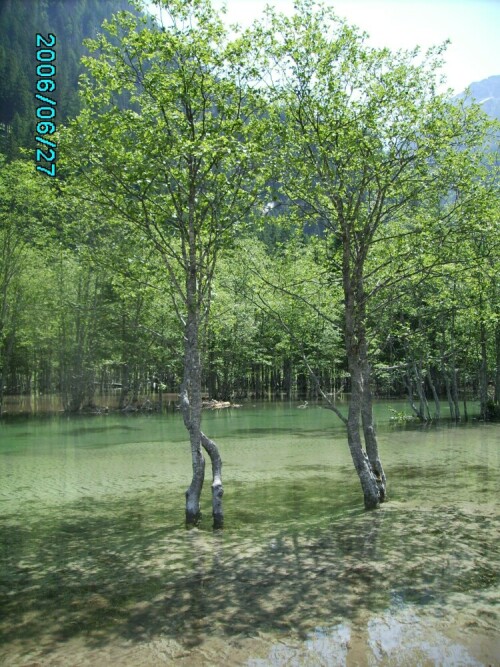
<point>96,567</point>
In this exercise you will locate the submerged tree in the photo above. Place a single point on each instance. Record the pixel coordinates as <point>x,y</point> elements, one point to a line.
<point>178,167</point>
<point>363,144</point>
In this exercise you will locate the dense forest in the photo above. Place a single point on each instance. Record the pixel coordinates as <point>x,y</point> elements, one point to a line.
<point>88,296</point>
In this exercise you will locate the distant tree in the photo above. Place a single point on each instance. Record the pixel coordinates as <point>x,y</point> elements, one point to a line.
<point>24,204</point>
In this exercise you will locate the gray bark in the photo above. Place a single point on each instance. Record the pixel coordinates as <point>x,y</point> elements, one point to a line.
<point>360,458</point>
<point>454,378</point>
<point>369,433</point>
<point>191,413</point>
<point>5,355</point>
<point>191,407</point>
<point>424,405</point>
<point>409,387</point>
<point>497,375</point>
<point>454,390</point>
<point>447,383</point>
<point>124,391</point>
<point>437,405</point>
<point>368,466</point>
<point>217,488</point>
<point>483,374</point>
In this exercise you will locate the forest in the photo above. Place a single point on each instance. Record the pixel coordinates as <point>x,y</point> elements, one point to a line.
<point>284,211</point>
<point>275,251</point>
<point>87,305</point>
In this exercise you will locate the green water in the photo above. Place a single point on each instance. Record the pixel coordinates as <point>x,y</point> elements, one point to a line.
<point>96,567</point>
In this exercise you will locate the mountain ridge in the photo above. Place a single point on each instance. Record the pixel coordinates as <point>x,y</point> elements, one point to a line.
<point>485,92</point>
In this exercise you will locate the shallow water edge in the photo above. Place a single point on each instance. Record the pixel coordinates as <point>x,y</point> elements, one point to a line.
<point>97,569</point>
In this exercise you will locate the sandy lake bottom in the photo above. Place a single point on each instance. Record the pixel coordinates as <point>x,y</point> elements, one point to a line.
<point>97,569</point>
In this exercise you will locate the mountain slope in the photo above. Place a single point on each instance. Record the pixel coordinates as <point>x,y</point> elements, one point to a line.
<point>71,21</point>
<point>487,94</point>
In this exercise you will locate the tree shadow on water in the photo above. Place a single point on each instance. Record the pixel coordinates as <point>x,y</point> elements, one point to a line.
<point>113,571</point>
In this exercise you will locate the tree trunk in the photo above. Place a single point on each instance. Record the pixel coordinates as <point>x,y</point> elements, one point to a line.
<point>437,406</point>
<point>424,405</point>
<point>191,414</point>
<point>447,386</point>
<point>497,373</point>
<point>124,391</point>
<point>454,390</point>
<point>369,434</point>
<point>217,489</point>
<point>287,378</point>
<point>454,379</point>
<point>483,374</point>
<point>409,386</point>
<point>191,407</point>
<point>5,355</point>
<point>360,459</point>
<point>368,466</point>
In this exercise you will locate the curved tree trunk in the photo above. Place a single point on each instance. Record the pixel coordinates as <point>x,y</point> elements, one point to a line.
<point>191,413</point>
<point>368,466</point>
<point>217,489</point>
<point>369,433</point>
<point>360,459</point>
<point>191,407</point>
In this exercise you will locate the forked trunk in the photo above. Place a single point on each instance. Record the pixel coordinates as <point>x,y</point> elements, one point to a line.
<point>369,433</point>
<point>368,465</point>
<point>191,406</point>
<point>193,493</point>
<point>367,478</point>
<point>191,412</point>
<point>217,489</point>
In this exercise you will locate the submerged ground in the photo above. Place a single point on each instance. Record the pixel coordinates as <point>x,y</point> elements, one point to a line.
<point>97,569</point>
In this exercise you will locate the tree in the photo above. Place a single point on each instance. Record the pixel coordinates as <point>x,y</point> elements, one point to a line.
<point>363,142</point>
<point>25,201</point>
<point>179,168</point>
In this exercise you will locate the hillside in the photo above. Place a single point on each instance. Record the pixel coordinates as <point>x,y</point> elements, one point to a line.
<point>71,21</point>
<point>487,94</point>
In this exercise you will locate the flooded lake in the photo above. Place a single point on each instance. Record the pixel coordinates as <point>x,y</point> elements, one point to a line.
<point>96,567</point>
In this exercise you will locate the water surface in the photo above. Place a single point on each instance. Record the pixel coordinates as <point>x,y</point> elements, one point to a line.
<point>97,568</point>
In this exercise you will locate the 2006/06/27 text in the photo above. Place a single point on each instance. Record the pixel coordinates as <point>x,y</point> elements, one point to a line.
<point>46,114</point>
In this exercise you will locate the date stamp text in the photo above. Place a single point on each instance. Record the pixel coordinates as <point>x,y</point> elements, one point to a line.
<point>46,111</point>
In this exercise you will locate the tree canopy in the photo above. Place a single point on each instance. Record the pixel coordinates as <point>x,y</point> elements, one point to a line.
<point>281,210</point>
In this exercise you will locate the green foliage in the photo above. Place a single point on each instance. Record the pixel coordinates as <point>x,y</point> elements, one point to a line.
<point>264,171</point>
<point>401,417</point>
<point>182,166</point>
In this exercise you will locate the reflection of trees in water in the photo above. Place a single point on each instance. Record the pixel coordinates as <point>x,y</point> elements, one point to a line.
<point>111,571</point>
